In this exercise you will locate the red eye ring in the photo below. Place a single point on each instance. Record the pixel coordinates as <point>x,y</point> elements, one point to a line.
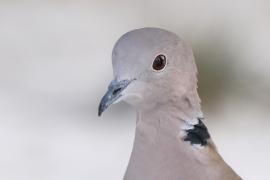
<point>159,63</point>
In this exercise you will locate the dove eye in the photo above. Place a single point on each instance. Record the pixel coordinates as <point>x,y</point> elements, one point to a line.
<point>159,62</point>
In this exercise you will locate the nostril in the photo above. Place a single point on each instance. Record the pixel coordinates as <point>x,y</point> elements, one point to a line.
<point>116,91</point>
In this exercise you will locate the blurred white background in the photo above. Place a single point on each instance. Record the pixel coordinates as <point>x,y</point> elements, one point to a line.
<point>55,66</point>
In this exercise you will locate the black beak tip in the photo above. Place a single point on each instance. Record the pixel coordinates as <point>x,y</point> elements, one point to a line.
<point>99,113</point>
<point>102,107</point>
<point>100,110</point>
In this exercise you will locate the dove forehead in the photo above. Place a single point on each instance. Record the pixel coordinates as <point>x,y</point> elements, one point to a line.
<point>135,50</point>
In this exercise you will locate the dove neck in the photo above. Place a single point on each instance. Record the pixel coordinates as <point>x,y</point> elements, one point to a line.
<point>175,107</point>
<point>166,120</point>
<point>159,147</point>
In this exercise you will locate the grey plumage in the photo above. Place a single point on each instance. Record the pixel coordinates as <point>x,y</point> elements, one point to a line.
<point>171,141</point>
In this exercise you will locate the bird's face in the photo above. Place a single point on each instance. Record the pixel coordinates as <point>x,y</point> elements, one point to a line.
<point>145,64</point>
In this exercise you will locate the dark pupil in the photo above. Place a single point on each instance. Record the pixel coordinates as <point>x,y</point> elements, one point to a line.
<point>159,62</point>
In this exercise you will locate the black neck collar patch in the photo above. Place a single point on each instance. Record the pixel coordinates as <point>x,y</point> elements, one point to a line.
<point>198,134</point>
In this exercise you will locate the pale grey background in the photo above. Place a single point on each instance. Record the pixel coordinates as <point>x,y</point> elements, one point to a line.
<point>55,66</point>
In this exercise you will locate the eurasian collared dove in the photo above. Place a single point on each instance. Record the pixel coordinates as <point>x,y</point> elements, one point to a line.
<point>155,71</point>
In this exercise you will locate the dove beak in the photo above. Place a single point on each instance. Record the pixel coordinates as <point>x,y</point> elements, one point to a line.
<point>113,93</point>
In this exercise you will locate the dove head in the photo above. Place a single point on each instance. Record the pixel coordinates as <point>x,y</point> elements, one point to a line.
<point>151,67</point>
